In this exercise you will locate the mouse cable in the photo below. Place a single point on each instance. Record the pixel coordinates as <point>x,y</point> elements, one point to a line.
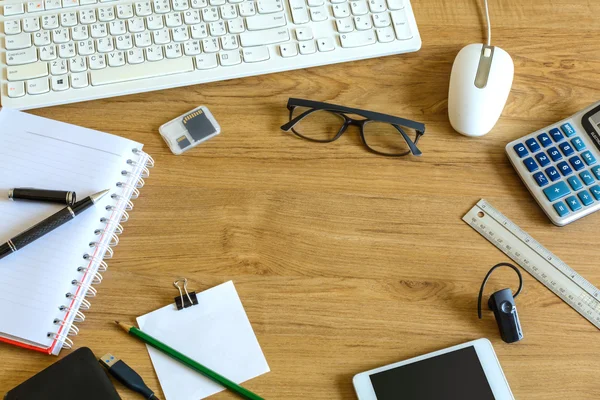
<point>489,24</point>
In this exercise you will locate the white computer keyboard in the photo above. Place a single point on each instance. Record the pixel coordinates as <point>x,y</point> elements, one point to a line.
<point>64,51</point>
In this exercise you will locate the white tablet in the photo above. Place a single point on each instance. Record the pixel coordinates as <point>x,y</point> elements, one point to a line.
<point>469,371</point>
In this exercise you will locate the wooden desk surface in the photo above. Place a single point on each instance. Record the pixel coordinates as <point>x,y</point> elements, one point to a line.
<point>345,260</point>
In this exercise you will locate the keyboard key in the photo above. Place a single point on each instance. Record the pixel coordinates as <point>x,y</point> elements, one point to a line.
<point>532,144</point>
<point>577,163</point>
<point>561,209</point>
<point>27,71</point>
<point>13,9</point>
<point>20,57</point>
<point>542,159</point>
<point>267,21</point>
<point>552,174</point>
<point>587,178</point>
<point>544,139</point>
<point>530,164</point>
<point>231,57</point>
<point>12,27</point>
<point>557,191</point>
<point>585,197</point>
<point>307,47</point>
<point>386,35</point>
<point>107,76</point>
<point>267,36</point>
<point>304,34</point>
<point>297,7</point>
<point>38,86</point>
<point>564,168</point>
<point>318,14</point>
<point>573,203</point>
<point>578,143</point>
<point>554,154</point>
<point>588,157</point>
<point>256,54</point>
<point>208,61</point>
<point>575,183</point>
<point>325,44</point>
<point>269,6</point>
<point>16,42</point>
<point>288,50</point>
<point>567,149</point>
<point>521,150</point>
<point>16,89</point>
<point>359,7</point>
<point>401,26</point>
<point>395,4</point>
<point>596,192</point>
<point>568,129</point>
<point>556,134</point>
<point>540,178</point>
<point>358,39</point>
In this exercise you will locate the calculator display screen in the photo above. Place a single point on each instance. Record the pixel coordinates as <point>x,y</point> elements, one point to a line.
<point>454,375</point>
<point>591,123</point>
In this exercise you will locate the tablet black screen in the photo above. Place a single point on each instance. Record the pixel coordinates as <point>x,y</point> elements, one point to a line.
<point>456,375</point>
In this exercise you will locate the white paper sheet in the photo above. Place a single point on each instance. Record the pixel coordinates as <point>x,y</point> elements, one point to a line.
<point>216,333</point>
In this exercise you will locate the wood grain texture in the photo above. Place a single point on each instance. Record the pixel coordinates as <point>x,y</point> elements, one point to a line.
<point>345,260</point>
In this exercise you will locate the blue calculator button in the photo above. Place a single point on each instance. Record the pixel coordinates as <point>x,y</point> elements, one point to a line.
<point>542,159</point>
<point>530,164</point>
<point>553,153</point>
<point>595,191</point>
<point>540,178</point>
<point>575,183</point>
<point>585,197</point>
<point>552,174</point>
<point>568,129</point>
<point>564,168</point>
<point>573,203</point>
<point>557,136</point>
<point>521,150</point>
<point>544,139</point>
<point>533,145</point>
<point>566,148</point>
<point>578,143</point>
<point>561,209</point>
<point>588,157</point>
<point>588,179</point>
<point>558,191</point>
<point>577,163</point>
<point>596,171</point>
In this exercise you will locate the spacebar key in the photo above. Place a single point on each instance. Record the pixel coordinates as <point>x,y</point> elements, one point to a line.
<point>267,36</point>
<point>130,72</point>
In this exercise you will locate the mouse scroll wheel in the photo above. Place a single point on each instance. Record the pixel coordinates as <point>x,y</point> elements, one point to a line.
<point>487,52</point>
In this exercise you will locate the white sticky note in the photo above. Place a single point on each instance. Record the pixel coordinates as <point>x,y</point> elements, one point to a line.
<point>216,333</point>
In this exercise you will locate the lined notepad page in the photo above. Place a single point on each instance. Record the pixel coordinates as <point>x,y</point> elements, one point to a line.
<point>41,153</point>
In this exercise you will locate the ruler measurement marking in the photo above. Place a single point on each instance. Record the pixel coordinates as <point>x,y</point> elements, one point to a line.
<point>542,264</point>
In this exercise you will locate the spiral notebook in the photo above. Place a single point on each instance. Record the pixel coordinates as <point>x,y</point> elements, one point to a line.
<point>46,286</point>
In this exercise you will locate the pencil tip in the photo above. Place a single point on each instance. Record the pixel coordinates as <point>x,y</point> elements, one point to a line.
<point>117,322</point>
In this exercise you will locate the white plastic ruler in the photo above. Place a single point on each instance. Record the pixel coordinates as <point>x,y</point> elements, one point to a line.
<point>544,266</point>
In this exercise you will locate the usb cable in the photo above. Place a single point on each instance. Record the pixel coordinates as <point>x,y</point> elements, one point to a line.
<point>127,376</point>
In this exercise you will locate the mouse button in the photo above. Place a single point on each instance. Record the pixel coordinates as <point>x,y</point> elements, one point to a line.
<point>485,65</point>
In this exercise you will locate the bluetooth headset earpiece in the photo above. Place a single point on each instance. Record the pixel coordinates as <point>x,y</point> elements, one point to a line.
<point>502,303</point>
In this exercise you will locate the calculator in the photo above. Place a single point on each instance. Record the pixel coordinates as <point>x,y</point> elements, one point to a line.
<point>559,165</point>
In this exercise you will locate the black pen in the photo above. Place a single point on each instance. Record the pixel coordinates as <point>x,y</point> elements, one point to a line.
<point>49,224</point>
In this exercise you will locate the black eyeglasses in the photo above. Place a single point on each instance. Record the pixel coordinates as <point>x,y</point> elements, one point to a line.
<point>381,133</point>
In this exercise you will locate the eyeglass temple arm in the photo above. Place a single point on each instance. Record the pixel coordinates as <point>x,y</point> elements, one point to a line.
<point>413,147</point>
<point>290,125</point>
<point>375,116</point>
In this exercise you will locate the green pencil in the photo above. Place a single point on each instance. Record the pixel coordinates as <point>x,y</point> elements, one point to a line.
<point>144,337</point>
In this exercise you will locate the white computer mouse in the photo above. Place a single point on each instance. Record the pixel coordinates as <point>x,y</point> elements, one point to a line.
<point>479,86</point>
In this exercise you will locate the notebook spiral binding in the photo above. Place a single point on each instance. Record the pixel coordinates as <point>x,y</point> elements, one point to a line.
<point>107,238</point>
